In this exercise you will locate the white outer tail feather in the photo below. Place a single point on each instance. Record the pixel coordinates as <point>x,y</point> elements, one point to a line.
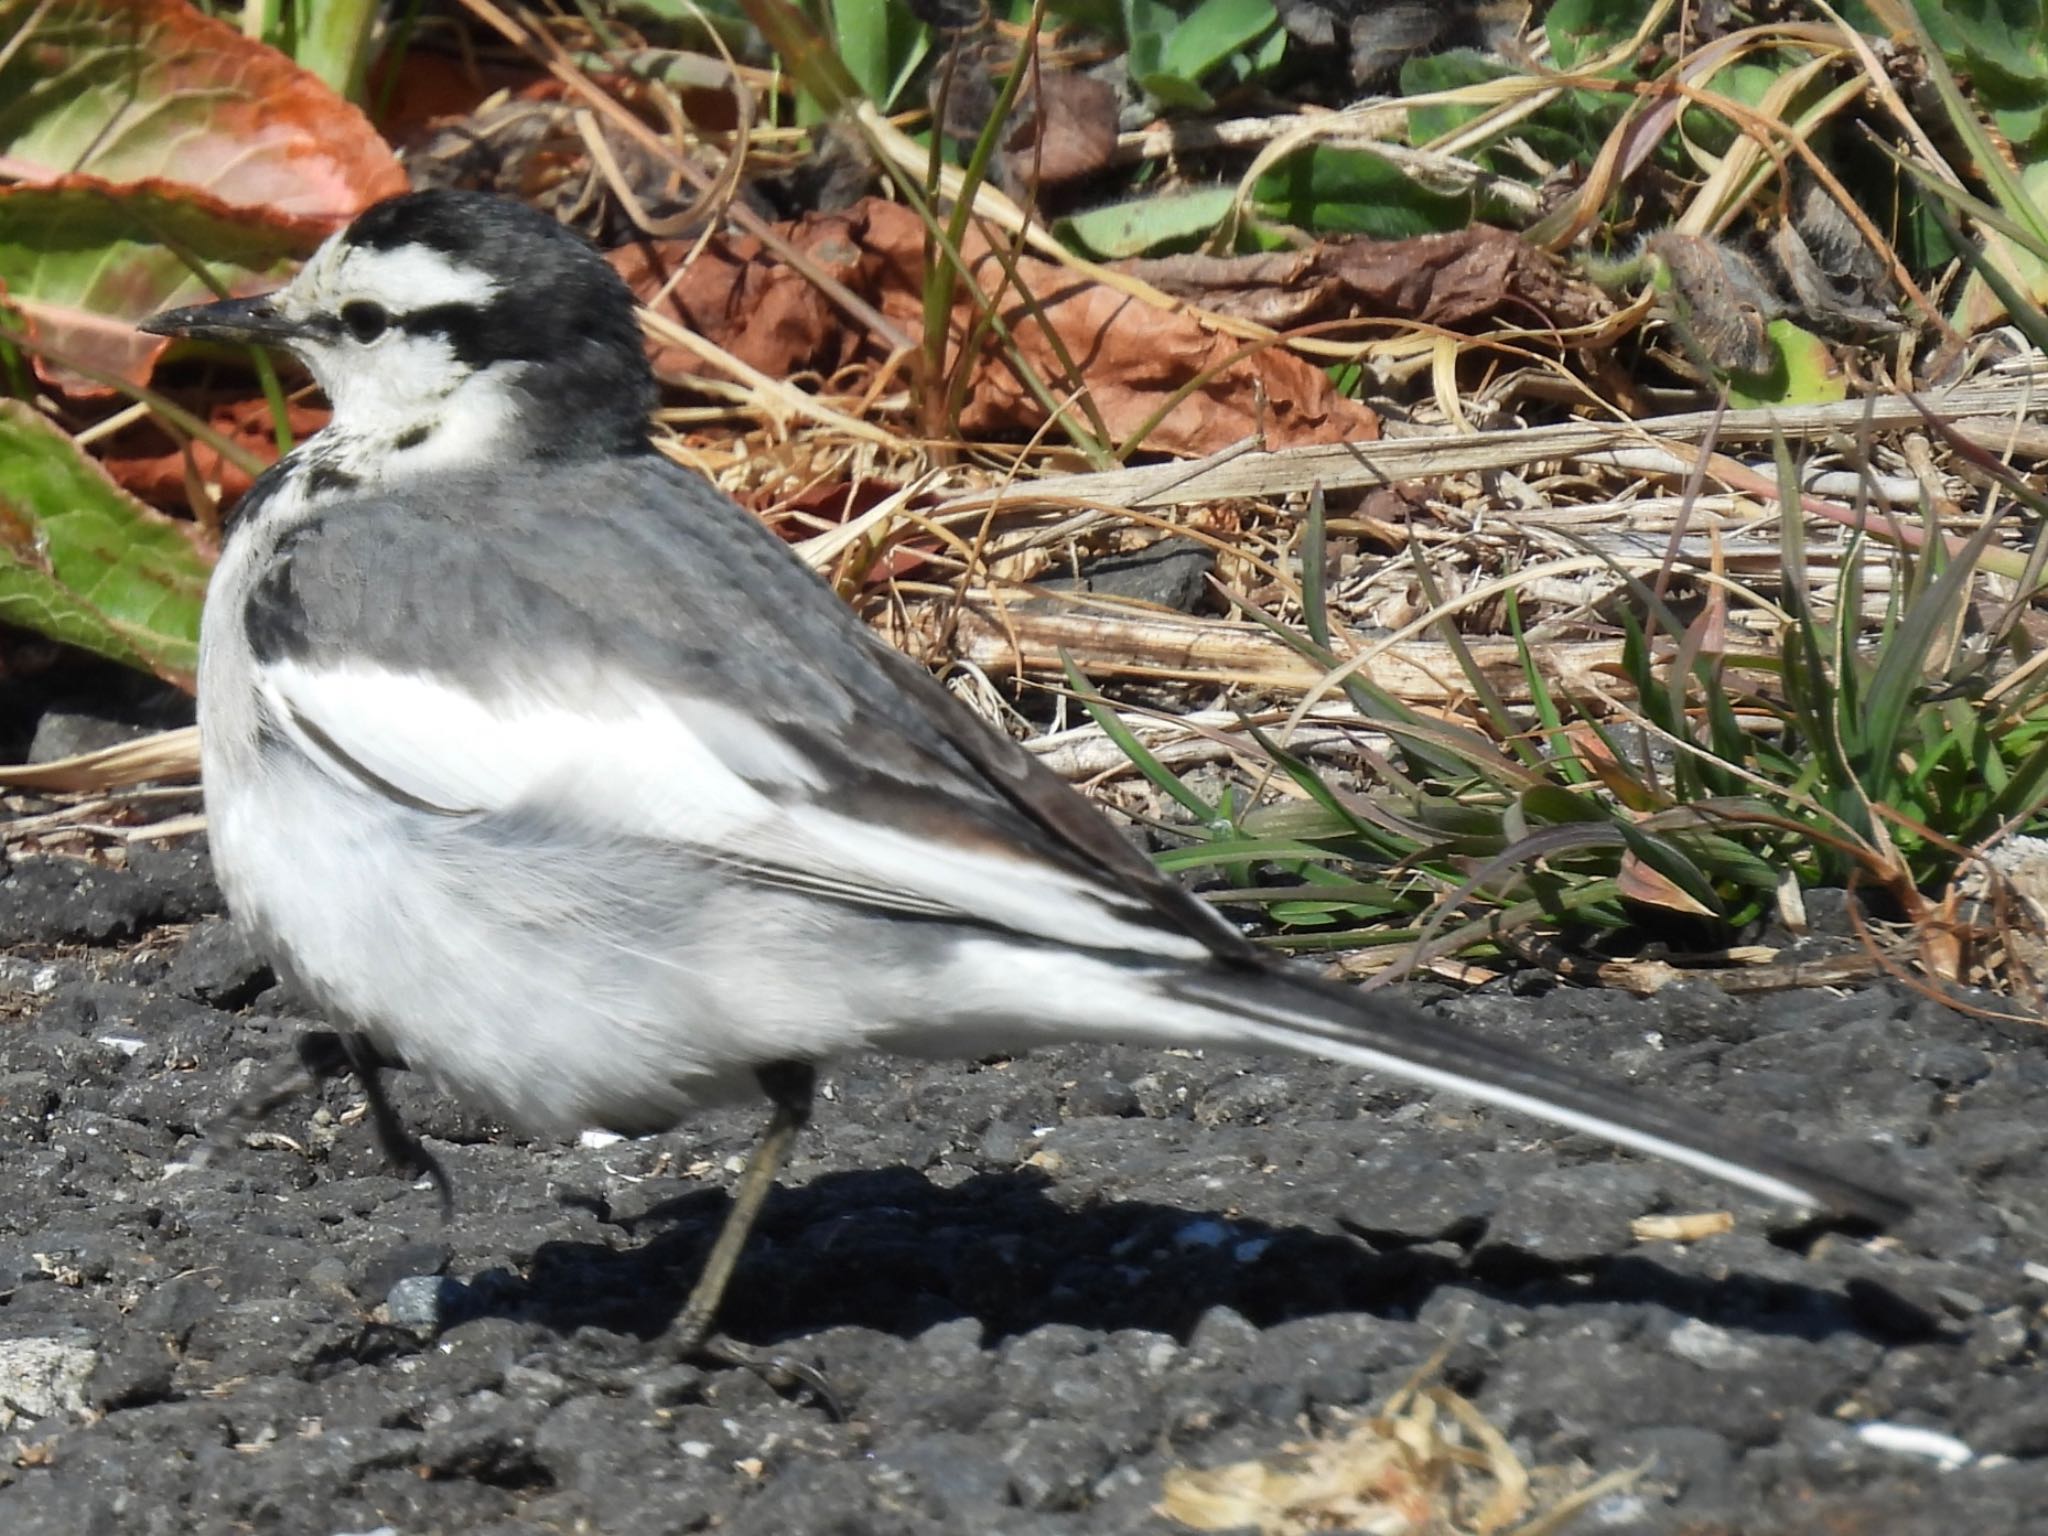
<point>1016,991</point>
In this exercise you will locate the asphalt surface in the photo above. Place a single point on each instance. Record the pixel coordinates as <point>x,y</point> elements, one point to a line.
<point>1038,1286</point>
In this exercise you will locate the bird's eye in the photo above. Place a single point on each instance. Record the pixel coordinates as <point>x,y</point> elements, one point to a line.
<point>365,321</point>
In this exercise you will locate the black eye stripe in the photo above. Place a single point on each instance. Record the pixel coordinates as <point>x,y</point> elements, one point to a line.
<point>481,334</point>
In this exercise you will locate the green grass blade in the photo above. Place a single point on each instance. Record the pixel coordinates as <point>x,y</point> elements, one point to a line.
<point>1140,755</point>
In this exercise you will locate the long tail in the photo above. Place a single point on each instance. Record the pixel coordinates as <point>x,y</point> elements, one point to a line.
<point>1272,1008</point>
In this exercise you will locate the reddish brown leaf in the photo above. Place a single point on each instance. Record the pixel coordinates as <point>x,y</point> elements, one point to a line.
<point>1132,357</point>
<point>84,260</point>
<point>134,90</point>
<point>1637,881</point>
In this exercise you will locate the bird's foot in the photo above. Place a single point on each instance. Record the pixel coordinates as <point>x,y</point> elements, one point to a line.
<point>784,1373</point>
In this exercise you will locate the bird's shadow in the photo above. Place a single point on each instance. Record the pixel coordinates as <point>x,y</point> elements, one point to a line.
<point>891,1251</point>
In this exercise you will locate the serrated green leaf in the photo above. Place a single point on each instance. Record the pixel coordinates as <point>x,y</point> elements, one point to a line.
<point>84,260</point>
<point>153,88</point>
<point>84,562</point>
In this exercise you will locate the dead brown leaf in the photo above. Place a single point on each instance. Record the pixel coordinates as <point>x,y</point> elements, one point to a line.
<point>1452,280</point>
<point>1132,358</point>
<point>1070,134</point>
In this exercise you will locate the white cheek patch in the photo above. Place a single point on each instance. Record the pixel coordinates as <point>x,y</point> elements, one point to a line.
<point>411,389</point>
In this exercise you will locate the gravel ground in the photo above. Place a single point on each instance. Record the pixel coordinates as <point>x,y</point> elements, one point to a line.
<point>1038,1285</point>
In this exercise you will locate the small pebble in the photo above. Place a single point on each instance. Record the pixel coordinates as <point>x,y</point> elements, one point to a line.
<point>1911,1440</point>
<point>420,1302</point>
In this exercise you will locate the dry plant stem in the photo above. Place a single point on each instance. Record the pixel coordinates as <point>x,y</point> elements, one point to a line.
<point>27,28</point>
<point>74,816</point>
<point>1915,982</point>
<point>1005,640</point>
<point>1524,95</point>
<point>165,755</point>
<point>772,396</point>
<point>1385,463</point>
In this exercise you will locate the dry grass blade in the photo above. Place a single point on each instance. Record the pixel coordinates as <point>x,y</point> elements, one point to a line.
<point>1156,645</point>
<point>165,755</point>
<point>1297,470</point>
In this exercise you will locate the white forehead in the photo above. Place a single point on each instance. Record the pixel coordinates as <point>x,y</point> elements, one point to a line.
<point>404,279</point>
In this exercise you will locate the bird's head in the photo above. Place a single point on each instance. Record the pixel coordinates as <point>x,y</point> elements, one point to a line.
<point>455,328</point>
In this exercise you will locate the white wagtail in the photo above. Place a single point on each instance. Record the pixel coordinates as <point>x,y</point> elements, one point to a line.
<point>544,769</point>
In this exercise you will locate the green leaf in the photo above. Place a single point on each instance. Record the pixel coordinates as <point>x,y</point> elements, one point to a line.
<point>84,562</point>
<point>1147,26</point>
<point>1211,33</point>
<point>1747,82</point>
<point>881,43</point>
<point>152,88</point>
<point>1172,91</point>
<point>1354,191</point>
<point>1431,73</point>
<point>2001,42</point>
<point>84,261</point>
<point>1268,55</point>
<point>1930,611</point>
<point>1579,30</point>
<point>1127,742</point>
<point>1806,372</point>
<point>2024,127</point>
<point>1150,223</point>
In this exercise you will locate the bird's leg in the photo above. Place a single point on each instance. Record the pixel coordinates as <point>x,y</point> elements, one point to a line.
<point>788,1085</point>
<point>317,1055</point>
<point>400,1147</point>
<point>320,1054</point>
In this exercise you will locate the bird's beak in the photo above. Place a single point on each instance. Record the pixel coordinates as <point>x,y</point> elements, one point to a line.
<point>257,321</point>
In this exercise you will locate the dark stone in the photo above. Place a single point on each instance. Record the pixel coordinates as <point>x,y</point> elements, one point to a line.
<point>217,965</point>
<point>1172,572</point>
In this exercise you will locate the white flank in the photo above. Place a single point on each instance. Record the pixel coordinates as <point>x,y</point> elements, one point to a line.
<point>627,757</point>
<point>684,770</point>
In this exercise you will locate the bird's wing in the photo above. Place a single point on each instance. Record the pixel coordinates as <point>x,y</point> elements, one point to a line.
<point>618,648</point>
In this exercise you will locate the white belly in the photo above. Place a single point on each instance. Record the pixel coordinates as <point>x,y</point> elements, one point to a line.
<point>557,984</point>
